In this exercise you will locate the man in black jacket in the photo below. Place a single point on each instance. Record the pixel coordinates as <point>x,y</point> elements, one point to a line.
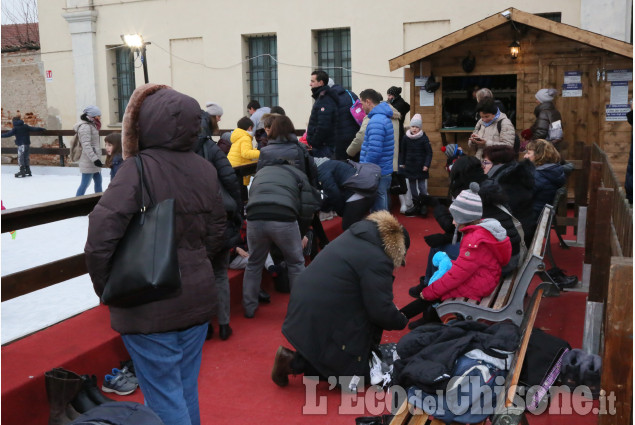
<point>343,302</point>
<point>274,215</point>
<point>321,129</point>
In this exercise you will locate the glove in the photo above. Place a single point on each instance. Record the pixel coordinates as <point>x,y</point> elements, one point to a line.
<point>98,163</point>
<point>436,240</point>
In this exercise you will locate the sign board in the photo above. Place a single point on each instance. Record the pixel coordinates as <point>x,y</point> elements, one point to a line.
<point>619,75</point>
<point>572,90</point>
<point>573,77</point>
<point>617,112</point>
<point>619,93</point>
<point>49,75</point>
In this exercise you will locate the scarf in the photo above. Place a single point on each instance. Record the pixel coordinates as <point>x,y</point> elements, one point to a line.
<point>414,136</point>
<point>96,121</point>
<point>498,114</point>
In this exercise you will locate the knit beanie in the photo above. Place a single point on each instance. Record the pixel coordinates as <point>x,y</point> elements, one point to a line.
<point>394,91</point>
<point>214,109</point>
<point>467,207</point>
<point>92,111</point>
<point>546,95</point>
<point>416,121</point>
<point>449,149</point>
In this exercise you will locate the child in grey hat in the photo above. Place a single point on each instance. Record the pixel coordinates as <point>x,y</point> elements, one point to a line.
<point>484,250</point>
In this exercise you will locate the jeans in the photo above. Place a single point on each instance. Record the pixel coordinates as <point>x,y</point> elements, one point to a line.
<point>23,155</point>
<point>220,263</point>
<point>167,365</point>
<point>86,177</point>
<point>418,187</point>
<point>451,249</point>
<point>261,234</point>
<point>381,201</point>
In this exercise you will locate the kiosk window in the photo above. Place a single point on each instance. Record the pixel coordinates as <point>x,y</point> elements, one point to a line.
<point>459,103</point>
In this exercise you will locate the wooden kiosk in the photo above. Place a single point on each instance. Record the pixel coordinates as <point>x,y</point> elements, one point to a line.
<point>597,71</point>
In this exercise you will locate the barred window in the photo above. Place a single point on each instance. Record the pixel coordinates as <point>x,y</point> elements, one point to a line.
<point>263,70</point>
<point>334,55</point>
<point>125,79</point>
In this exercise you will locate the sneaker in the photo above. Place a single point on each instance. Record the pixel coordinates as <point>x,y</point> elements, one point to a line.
<point>131,376</point>
<point>119,384</point>
<point>325,216</point>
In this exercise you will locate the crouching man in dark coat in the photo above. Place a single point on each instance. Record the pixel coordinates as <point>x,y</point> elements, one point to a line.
<point>342,302</point>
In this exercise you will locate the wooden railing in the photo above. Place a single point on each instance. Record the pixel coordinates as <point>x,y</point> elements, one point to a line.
<point>64,151</point>
<point>43,276</point>
<point>609,251</point>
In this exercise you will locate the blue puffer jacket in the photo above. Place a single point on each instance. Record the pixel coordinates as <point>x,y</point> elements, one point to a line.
<point>21,132</point>
<point>379,139</point>
<point>549,178</point>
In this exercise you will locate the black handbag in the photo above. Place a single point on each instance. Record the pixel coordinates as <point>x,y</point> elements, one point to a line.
<point>398,184</point>
<point>145,266</point>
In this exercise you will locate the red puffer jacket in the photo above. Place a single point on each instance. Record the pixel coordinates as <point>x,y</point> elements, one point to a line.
<point>485,249</point>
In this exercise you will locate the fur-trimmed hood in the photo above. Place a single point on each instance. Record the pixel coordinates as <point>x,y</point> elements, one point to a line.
<point>392,236</point>
<point>158,116</point>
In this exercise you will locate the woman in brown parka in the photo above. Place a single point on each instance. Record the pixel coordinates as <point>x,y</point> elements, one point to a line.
<point>164,338</point>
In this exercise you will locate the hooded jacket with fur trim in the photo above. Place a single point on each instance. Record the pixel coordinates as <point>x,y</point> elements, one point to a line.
<point>344,300</point>
<point>161,126</point>
<point>484,250</point>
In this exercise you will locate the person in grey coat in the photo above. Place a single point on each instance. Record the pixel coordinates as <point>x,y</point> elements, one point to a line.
<point>342,303</point>
<point>90,162</point>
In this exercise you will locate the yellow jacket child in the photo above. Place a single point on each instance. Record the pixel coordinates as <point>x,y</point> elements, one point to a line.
<point>242,151</point>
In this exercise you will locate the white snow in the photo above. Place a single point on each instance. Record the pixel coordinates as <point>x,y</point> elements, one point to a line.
<point>38,245</point>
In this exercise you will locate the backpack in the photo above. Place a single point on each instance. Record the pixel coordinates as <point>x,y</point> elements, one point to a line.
<point>356,110</point>
<point>365,180</point>
<point>76,147</point>
<point>119,413</point>
<point>516,138</point>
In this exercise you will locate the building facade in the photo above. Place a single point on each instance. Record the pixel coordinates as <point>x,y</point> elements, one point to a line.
<point>232,52</point>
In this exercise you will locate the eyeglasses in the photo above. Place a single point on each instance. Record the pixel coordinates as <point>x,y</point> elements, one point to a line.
<point>486,162</point>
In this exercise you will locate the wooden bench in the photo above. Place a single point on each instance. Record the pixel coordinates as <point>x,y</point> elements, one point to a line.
<point>506,301</point>
<point>509,410</point>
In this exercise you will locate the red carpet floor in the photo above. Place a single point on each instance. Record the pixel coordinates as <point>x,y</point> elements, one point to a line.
<point>235,384</point>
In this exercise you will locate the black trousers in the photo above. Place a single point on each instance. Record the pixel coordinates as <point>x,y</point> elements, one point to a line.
<point>355,211</point>
<point>419,306</point>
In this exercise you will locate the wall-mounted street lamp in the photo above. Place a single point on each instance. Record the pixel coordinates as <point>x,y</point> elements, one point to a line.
<point>514,49</point>
<point>135,42</point>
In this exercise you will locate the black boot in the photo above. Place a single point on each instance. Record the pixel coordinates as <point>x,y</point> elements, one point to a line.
<point>415,291</point>
<point>282,366</point>
<point>21,173</point>
<point>423,212</point>
<point>61,387</point>
<point>27,171</point>
<point>90,388</point>
<point>415,209</point>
